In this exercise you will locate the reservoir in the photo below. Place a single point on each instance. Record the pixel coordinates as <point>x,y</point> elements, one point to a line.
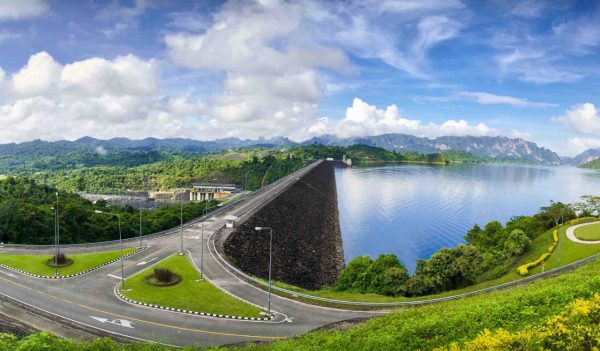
<point>414,210</point>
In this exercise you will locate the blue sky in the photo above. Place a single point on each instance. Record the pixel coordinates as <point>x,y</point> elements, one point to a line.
<point>211,69</point>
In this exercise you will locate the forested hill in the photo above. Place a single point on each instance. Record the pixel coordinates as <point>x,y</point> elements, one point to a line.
<point>249,168</point>
<point>27,216</point>
<point>594,164</point>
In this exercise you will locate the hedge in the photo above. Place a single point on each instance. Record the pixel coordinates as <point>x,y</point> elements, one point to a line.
<point>524,269</point>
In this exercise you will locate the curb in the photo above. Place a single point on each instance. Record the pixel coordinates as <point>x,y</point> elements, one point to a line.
<point>196,313</point>
<point>55,277</point>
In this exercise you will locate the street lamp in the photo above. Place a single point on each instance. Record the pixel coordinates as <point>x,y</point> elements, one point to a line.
<point>120,243</point>
<point>57,237</point>
<point>258,229</point>
<point>181,219</point>
<point>141,228</point>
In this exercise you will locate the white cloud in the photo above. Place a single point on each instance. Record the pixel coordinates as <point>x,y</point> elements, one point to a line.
<point>493,99</point>
<point>364,119</point>
<point>581,118</point>
<point>98,97</point>
<point>21,9</point>
<point>269,89</point>
<point>39,76</point>
<point>432,30</point>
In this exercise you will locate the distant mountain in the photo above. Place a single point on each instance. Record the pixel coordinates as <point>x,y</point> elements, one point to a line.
<point>499,148</point>
<point>41,155</point>
<point>585,157</point>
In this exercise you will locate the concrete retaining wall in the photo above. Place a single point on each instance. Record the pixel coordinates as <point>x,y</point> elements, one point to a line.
<point>307,242</point>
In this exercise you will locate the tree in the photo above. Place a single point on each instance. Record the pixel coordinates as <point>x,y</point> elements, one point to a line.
<point>517,243</point>
<point>590,205</point>
<point>558,212</point>
<point>383,271</point>
<point>354,276</point>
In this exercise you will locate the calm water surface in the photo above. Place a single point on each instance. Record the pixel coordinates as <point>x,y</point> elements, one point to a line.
<point>414,210</point>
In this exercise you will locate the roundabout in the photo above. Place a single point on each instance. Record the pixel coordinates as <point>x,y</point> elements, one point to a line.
<point>585,233</point>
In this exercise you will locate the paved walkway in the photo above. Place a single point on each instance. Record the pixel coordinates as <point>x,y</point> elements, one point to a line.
<point>572,237</point>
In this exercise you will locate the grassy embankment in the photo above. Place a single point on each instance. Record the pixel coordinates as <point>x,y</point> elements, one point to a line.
<point>520,309</point>
<point>190,294</point>
<point>568,252</point>
<point>37,264</point>
<point>588,232</point>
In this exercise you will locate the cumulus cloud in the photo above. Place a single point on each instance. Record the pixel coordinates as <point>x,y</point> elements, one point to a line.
<point>581,118</point>
<point>105,98</point>
<point>269,89</point>
<point>364,119</point>
<point>21,9</point>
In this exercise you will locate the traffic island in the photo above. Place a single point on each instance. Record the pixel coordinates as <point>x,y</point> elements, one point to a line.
<point>43,266</point>
<point>588,232</point>
<point>191,294</point>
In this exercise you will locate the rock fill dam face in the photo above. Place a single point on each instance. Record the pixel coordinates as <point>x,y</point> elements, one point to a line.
<point>307,241</point>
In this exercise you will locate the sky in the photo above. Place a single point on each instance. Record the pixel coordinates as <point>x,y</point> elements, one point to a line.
<point>214,69</point>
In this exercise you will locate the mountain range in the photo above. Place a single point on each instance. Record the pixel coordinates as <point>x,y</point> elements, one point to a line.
<point>496,148</point>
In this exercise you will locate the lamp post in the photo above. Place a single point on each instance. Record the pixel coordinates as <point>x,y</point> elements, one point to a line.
<point>57,238</point>
<point>120,243</point>
<point>141,228</point>
<point>258,229</point>
<point>181,219</point>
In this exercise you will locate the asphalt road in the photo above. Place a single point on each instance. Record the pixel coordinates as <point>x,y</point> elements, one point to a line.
<point>89,300</point>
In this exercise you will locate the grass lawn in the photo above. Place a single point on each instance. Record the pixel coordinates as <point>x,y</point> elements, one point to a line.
<point>569,252</point>
<point>588,232</point>
<point>36,264</point>
<point>189,294</point>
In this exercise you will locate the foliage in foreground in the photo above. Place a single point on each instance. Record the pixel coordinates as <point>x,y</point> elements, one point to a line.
<point>526,309</point>
<point>576,328</point>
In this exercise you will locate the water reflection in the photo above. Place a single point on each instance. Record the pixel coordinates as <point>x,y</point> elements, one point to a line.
<point>413,210</point>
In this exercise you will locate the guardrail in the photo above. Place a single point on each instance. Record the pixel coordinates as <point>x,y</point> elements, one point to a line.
<point>174,230</point>
<point>522,281</point>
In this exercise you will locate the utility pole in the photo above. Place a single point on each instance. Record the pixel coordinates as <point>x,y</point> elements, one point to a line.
<point>141,227</point>
<point>181,220</point>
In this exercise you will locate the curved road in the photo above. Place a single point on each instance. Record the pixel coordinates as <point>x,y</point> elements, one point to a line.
<point>572,237</point>
<point>89,300</point>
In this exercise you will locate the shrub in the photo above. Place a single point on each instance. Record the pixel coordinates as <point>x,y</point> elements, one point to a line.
<point>163,275</point>
<point>576,328</point>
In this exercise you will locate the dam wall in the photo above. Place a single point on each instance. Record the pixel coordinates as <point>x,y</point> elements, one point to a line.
<point>307,241</point>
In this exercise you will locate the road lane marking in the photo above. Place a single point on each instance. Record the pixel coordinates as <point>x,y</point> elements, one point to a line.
<point>146,262</point>
<point>192,330</point>
<point>120,322</point>
<point>9,274</point>
<point>113,276</point>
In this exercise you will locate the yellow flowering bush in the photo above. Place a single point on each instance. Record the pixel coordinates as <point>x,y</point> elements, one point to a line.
<point>576,328</point>
<point>523,270</point>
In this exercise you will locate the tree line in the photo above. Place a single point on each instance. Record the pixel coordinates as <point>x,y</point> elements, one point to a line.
<point>27,216</point>
<point>487,253</point>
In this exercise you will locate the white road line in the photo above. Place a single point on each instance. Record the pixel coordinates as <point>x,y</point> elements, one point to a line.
<point>146,262</point>
<point>9,274</point>
<point>113,276</point>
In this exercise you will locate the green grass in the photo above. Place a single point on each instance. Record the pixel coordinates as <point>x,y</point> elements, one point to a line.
<point>189,294</point>
<point>422,328</point>
<point>588,232</point>
<point>36,264</point>
<point>569,252</point>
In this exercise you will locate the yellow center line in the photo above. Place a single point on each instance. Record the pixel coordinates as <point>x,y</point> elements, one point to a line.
<point>199,331</point>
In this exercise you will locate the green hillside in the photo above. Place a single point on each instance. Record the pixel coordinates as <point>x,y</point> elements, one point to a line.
<point>595,164</point>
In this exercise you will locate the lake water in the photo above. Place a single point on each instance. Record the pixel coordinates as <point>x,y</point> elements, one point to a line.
<point>414,210</point>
